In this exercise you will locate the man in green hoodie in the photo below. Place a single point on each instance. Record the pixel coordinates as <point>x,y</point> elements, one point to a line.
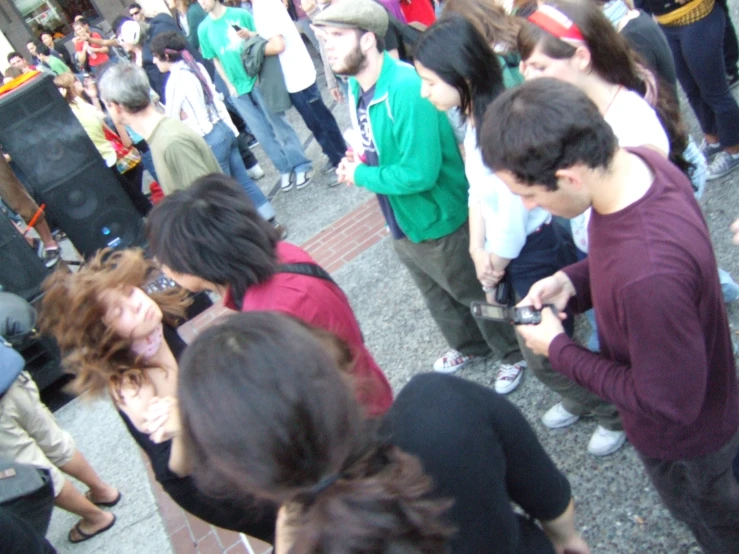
<point>409,157</point>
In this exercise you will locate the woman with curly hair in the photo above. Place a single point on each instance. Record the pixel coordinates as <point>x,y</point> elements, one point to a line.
<point>436,474</point>
<point>120,340</point>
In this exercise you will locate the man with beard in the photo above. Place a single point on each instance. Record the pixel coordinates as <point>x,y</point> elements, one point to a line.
<point>410,159</point>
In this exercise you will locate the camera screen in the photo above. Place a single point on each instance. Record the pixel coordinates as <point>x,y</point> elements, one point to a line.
<point>496,312</point>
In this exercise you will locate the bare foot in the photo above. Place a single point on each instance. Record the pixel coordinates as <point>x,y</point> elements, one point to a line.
<point>105,496</point>
<point>88,527</point>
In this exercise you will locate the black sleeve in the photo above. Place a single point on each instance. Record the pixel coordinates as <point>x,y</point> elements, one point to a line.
<point>392,41</point>
<point>481,452</point>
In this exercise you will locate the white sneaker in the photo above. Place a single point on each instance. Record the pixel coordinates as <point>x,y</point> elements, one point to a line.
<point>557,417</point>
<point>452,361</point>
<point>509,376</point>
<point>605,442</point>
<point>302,179</point>
<point>255,172</point>
<point>286,182</point>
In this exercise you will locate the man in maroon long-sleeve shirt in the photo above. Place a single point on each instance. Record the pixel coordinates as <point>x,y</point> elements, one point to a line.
<point>666,357</point>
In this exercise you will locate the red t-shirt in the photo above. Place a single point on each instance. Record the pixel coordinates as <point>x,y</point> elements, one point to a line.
<point>324,305</point>
<point>93,58</point>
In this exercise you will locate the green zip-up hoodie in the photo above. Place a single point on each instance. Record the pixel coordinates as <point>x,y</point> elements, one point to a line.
<point>421,170</point>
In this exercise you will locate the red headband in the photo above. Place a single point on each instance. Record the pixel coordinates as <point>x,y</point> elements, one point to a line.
<point>554,22</point>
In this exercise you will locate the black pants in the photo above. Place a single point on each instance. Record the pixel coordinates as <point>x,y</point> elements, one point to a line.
<point>731,45</point>
<point>703,493</point>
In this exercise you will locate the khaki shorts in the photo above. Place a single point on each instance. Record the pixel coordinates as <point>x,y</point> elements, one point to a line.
<point>30,434</point>
<point>14,193</point>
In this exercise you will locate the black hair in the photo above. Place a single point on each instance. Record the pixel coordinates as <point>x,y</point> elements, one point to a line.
<point>169,46</point>
<point>14,55</point>
<point>212,230</point>
<point>43,49</point>
<point>81,21</point>
<point>45,32</point>
<point>455,50</point>
<point>542,126</point>
<point>119,21</point>
<point>302,440</point>
<point>134,5</point>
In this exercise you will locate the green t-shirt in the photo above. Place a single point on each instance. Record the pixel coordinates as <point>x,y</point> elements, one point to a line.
<point>218,39</point>
<point>57,65</point>
<point>180,155</point>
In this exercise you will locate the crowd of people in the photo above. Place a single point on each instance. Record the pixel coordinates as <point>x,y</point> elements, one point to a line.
<point>531,154</point>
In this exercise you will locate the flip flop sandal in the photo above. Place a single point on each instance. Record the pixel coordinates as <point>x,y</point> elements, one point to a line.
<point>105,504</point>
<point>84,535</point>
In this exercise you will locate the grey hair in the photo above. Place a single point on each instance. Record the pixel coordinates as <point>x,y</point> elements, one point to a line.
<point>127,85</point>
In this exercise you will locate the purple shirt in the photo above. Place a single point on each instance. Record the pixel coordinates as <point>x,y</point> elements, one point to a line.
<point>666,358</point>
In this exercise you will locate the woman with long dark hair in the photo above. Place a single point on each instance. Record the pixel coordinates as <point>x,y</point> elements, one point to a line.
<point>459,69</point>
<point>436,475</point>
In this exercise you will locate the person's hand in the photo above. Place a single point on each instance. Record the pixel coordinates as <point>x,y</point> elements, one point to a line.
<point>162,419</point>
<point>245,34</point>
<point>539,337</point>
<point>484,268</point>
<point>574,545</point>
<point>735,229</point>
<point>347,168</point>
<point>557,290</point>
<point>336,94</point>
<point>231,89</point>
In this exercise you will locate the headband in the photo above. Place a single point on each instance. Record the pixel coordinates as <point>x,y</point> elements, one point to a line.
<point>554,22</point>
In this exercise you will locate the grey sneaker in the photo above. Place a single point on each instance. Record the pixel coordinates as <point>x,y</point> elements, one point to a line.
<point>709,151</point>
<point>723,164</point>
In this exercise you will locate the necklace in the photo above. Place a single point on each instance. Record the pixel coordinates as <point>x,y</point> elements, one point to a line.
<point>608,107</point>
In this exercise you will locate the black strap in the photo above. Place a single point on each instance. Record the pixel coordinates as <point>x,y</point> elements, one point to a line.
<point>309,269</point>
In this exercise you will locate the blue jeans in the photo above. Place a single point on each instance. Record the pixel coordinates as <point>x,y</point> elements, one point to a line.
<point>319,119</point>
<point>279,140</point>
<point>699,63</point>
<point>223,144</point>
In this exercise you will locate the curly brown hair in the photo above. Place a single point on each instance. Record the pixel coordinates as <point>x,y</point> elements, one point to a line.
<point>72,311</point>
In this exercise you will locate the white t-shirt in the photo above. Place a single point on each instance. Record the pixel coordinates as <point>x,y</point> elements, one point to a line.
<point>507,221</point>
<point>271,19</point>
<point>635,123</point>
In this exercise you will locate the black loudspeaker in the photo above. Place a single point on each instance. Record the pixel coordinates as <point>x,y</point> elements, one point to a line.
<point>47,142</point>
<point>21,270</point>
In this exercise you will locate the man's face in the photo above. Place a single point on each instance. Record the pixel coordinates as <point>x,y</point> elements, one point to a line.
<point>19,62</point>
<point>343,50</point>
<point>136,14</point>
<point>207,5</point>
<point>31,47</point>
<point>567,201</point>
<point>47,40</point>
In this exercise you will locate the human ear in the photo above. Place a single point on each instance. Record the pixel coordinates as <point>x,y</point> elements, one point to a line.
<point>569,178</point>
<point>582,59</point>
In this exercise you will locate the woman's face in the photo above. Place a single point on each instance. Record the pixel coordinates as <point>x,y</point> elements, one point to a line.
<point>131,312</point>
<point>538,64</point>
<point>441,94</point>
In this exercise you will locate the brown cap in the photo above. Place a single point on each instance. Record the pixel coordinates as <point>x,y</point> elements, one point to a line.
<point>354,14</point>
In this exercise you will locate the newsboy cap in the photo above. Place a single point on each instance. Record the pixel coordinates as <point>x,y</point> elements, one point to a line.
<point>354,14</point>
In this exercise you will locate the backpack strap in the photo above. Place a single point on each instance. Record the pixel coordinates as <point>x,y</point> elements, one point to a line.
<point>309,269</point>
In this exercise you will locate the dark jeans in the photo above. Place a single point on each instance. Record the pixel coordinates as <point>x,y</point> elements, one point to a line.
<point>731,45</point>
<point>703,493</point>
<point>698,50</point>
<point>222,142</point>
<point>546,252</point>
<point>131,183</point>
<point>319,119</point>
<point>445,274</point>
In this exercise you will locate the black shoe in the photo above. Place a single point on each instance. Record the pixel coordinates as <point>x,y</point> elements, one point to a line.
<point>329,168</point>
<point>51,256</point>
